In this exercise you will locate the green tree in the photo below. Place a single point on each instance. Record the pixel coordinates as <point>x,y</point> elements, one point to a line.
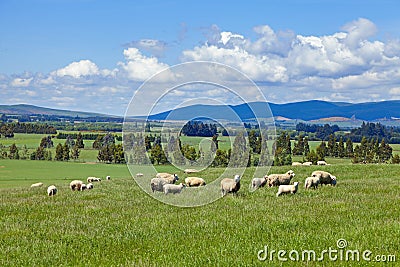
<point>341,152</point>
<point>312,157</point>
<point>75,152</point>
<point>239,156</point>
<point>79,141</point>
<point>59,153</point>
<point>66,152</point>
<point>349,148</point>
<point>24,152</point>
<point>39,154</point>
<point>13,154</point>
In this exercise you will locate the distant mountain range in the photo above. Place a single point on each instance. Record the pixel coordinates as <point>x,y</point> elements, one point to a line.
<point>306,111</point>
<point>30,110</point>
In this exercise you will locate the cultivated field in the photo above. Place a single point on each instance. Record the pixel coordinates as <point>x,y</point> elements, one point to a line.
<point>117,224</point>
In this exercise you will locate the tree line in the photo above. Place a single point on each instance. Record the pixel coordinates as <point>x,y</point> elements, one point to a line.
<point>8,129</point>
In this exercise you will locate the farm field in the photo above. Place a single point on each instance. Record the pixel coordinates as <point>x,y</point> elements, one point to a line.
<point>117,224</point>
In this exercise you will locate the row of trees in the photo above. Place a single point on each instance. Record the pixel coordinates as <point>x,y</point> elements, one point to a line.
<point>368,151</point>
<point>8,129</point>
<point>198,128</point>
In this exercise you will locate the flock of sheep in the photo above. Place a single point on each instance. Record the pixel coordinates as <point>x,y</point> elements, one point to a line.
<point>165,182</point>
<point>75,185</point>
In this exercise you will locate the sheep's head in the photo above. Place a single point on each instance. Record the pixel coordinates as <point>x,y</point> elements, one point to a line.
<point>237,178</point>
<point>291,173</point>
<point>333,181</point>
<point>296,184</point>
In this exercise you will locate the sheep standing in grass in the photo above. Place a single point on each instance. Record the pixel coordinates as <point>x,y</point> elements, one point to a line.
<point>83,187</point>
<point>189,171</point>
<point>296,163</point>
<point>311,182</point>
<point>229,185</point>
<point>194,181</point>
<point>37,185</point>
<point>89,186</point>
<point>108,177</point>
<point>322,162</point>
<point>259,182</point>
<point>173,188</point>
<point>157,184</point>
<point>93,179</point>
<point>51,190</point>
<point>325,177</point>
<point>171,178</point>
<point>76,185</point>
<point>280,179</point>
<point>139,174</point>
<point>307,163</point>
<point>288,189</point>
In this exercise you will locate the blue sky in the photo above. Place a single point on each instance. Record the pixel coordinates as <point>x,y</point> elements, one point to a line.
<point>93,55</point>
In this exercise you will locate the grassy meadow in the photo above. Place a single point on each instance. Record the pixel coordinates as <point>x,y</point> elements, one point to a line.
<point>117,224</point>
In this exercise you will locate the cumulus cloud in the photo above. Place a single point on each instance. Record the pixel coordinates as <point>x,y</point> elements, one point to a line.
<point>155,47</point>
<point>139,67</point>
<point>21,82</point>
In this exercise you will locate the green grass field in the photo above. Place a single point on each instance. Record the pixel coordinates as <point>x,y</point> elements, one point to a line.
<point>117,224</point>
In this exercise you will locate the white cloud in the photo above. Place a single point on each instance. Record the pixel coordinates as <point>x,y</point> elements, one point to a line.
<point>21,82</point>
<point>139,67</point>
<point>155,47</point>
<point>78,69</point>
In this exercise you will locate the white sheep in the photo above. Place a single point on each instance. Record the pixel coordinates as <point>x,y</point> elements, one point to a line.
<point>229,185</point>
<point>280,179</point>
<point>139,174</point>
<point>194,181</point>
<point>173,188</point>
<point>76,185</point>
<point>312,182</point>
<point>51,190</point>
<point>89,186</point>
<point>322,162</point>
<point>296,163</point>
<point>286,189</point>
<point>325,177</point>
<point>157,184</point>
<point>37,185</point>
<point>259,182</point>
<point>307,163</point>
<point>189,171</point>
<point>83,187</point>
<point>171,178</point>
<point>108,177</point>
<point>93,179</point>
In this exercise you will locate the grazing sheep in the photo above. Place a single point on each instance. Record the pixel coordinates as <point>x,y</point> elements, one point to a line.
<point>194,181</point>
<point>157,184</point>
<point>139,174</point>
<point>51,190</point>
<point>278,179</point>
<point>307,163</point>
<point>108,177</point>
<point>311,182</point>
<point>93,179</point>
<point>171,178</point>
<point>325,177</point>
<point>173,188</point>
<point>83,187</point>
<point>286,189</point>
<point>76,185</point>
<point>229,185</point>
<point>259,182</point>
<point>37,185</point>
<point>296,163</point>
<point>189,171</point>
<point>89,186</point>
<point>322,162</point>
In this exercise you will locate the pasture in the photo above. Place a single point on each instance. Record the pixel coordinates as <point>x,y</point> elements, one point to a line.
<point>117,224</point>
